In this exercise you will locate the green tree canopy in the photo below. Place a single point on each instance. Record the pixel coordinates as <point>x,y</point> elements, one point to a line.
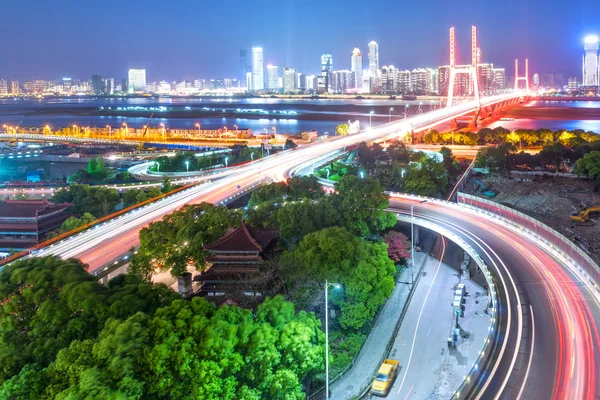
<point>589,165</point>
<point>72,223</point>
<point>179,239</point>
<point>361,267</point>
<point>95,200</point>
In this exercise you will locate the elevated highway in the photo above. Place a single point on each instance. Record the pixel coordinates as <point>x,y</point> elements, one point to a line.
<point>536,289</point>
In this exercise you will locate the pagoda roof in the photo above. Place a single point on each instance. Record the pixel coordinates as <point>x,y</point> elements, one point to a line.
<point>244,238</point>
<point>29,208</point>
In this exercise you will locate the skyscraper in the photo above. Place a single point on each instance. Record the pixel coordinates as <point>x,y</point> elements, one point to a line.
<point>590,62</point>
<point>324,80</point>
<point>3,87</point>
<point>97,84</point>
<point>243,64</point>
<point>136,80</point>
<point>373,59</point>
<point>258,69</point>
<point>357,68</point>
<point>272,77</point>
<point>289,79</point>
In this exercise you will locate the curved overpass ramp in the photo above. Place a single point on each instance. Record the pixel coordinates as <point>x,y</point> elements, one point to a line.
<point>545,347</point>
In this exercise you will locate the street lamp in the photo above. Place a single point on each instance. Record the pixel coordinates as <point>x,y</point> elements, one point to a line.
<point>327,173</point>
<point>236,128</point>
<point>198,126</point>
<point>252,156</point>
<point>391,109</point>
<point>362,174</point>
<point>187,165</point>
<point>405,111</point>
<point>226,158</point>
<point>157,166</point>
<point>109,130</point>
<point>370,115</point>
<point>420,110</point>
<point>337,286</point>
<point>412,240</point>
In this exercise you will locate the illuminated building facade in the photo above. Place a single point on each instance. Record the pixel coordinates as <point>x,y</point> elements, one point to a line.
<point>357,68</point>
<point>289,79</point>
<point>272,77</point>
<point>258,72</point>
<point>136,80</point>
<point>590,63</point>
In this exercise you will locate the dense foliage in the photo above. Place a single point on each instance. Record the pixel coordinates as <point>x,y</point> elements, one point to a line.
<point>589,165</point>
<point>72,223</point>
<point>185,161</point>
<point>64,336</point>
<point>179,239</point>
<point>363,269</point>
<point>95,200</point>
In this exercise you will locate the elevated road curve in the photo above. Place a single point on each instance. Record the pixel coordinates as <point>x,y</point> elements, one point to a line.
<point>548,318</point>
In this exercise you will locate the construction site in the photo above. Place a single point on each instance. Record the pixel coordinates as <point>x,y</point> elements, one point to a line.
<point>569,205</point>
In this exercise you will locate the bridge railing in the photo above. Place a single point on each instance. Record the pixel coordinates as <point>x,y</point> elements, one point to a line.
<point>560,244</point>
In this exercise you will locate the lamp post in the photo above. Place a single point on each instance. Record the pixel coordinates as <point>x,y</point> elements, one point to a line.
<point>109,131</point>
<point>226,158</point>
<point>370,115</point>
<point>405,111</point>
<point>420,104</point>
<point>362,174</point>
<point>337,286</point>
<point>157,166</point>
<point>391,109</point>
<point>236,128</point>
<point>198,126</point>
<point>327,173</point>
<point>412,240</point>
<point>252,156</point>
<point>187,165</point>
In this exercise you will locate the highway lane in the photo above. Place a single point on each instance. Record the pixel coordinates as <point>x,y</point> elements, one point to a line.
<point>558,361</point>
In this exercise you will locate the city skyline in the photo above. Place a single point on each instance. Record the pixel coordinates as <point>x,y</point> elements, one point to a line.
<point>183,48</point>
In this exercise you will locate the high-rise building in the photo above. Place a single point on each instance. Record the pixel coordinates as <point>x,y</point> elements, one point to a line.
<point>109,86</point>
<point>249,81</point>
<point>341,81</point>
<point>443,79</point>
<point>373,61</point>
<point>36,86</point>
<point>136,80</point>
<point>3,87</point>
<point>424,81</point>
<point>244,68</point>
<point>485,78</point>
<point>590,63</point>
<point>272,75</point>
<point>15,88</point>
<point>311,83</point>
<point>300,81</point>
<point>324,80</point>
<point>357,68</point>
<point>403,81</point>
<point>388,79</point>
<point>97,84</point>
<point>498,79</point>
<point>547,80</point>
<point>536,80</point>
<point>573,84</point>
<point>258,71</point>
<point>289,79</point>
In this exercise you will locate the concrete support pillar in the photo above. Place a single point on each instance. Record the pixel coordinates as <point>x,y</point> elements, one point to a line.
<point>184,285</point>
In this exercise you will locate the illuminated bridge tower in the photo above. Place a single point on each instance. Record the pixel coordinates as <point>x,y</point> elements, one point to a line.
<point>522,78</point>
<point>469,70</point>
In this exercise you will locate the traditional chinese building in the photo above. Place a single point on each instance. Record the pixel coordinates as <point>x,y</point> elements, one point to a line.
<point>238,271</point>
<point>25,223</point>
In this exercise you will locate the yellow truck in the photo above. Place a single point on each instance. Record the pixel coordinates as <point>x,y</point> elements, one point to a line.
<point>384,380</point>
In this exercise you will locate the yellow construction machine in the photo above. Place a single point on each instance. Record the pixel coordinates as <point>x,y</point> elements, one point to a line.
<point>584,216</point>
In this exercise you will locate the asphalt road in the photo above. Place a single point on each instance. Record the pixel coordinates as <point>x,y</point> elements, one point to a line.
<point>545,347</point>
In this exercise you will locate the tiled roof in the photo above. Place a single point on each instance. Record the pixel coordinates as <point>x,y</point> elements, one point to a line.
<point>245,238</point>
<point>28,208</point>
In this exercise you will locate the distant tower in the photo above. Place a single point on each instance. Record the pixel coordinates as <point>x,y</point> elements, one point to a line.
<point>590,63</point>
<point>243,64</point>
<point>522,78</point>
<point>357,68</point>
<point>373,58</point>
<point>258,69</point>
<point>324,81</point>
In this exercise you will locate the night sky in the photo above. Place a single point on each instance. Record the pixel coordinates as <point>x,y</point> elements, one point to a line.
<point>188,39</point>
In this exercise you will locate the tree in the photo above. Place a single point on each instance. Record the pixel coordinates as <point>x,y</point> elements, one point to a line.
<point>342,129</point>
<point>589,165</point>
<point>362,268</point>
<point>289,144</point>
<point>166,185</point>
<point>179,239</point>
<point>295,220</point>
<point>72,223</point>
<point>427,178</point>
<point>21,195</point>
<point>431,136</point>
<point>95,200</point>
<point>450,163</point>
<point>398,246</point>
<point>359,205</point>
